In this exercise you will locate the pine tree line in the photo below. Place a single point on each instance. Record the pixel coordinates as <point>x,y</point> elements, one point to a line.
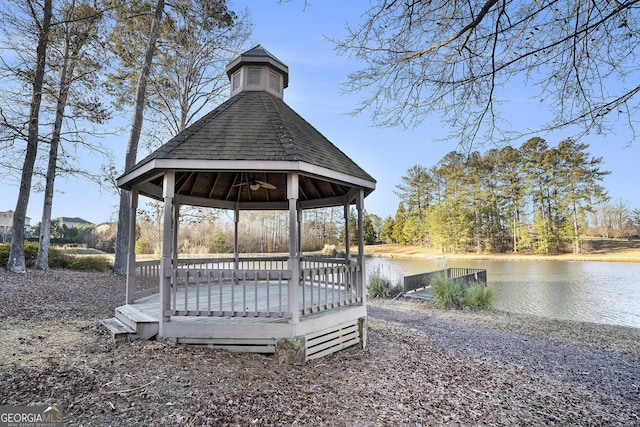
<point>534,198</point>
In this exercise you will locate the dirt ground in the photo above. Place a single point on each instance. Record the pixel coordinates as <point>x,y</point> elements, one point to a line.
<point>422,366</point>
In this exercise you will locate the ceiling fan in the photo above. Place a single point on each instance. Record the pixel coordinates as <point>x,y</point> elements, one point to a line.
<point>255,184</point>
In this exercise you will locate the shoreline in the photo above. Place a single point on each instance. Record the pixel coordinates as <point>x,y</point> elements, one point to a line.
<point>623,255</point>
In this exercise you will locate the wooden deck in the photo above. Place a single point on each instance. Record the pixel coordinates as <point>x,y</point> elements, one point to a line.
<point>249,299</point>
<point>150,306</point>
<point>323,330</point>
<point>262,307</point>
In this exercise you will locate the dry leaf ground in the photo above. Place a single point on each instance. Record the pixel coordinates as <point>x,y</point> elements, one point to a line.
<point>422,366</point>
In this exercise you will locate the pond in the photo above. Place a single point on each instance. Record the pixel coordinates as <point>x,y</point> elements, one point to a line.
<point>599,292</point>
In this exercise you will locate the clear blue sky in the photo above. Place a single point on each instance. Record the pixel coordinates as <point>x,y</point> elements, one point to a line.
<point>298,37</point>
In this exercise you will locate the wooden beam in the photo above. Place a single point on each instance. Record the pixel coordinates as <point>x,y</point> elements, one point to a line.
<point>294,260</point>
<point>360,274</point>
<point>131,256</point>
<point>168,193</point>
<point>248,165</point>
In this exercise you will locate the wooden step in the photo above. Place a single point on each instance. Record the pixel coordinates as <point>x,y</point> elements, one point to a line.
<point>118,329</point>
<point>145,326</point>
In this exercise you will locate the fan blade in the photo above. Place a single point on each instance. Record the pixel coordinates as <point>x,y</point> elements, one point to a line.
<point>266,185</point>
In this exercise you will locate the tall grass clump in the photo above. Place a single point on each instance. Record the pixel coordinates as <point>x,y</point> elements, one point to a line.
<point>447,293</point>
<point>478,297</point>
<point>451,293</point>
<point>330,250</point>
<point>379,285</point>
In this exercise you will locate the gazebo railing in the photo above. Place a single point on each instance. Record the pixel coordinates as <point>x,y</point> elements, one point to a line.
<point>252,287</point>
<point>229,293</point>
<point>318,262</point>
<point>247,263</point>
<point>324,288</point>
<point>146,280</point>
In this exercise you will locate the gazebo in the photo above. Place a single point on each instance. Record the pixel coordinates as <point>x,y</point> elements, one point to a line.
<point>253,152</point>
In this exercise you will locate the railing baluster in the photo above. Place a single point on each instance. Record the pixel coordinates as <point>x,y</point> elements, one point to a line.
<point>303,274</point>
<point>311,274</point>
<point>221,285</point>
<point>186,292</point>
<point>326,288</point>
<point>197,278</point>
<point>244,293</point>
<point>268,310</point>
<point>333,287</point>
<point>280,294</point>
<point>209,274</point>
<point>255,286</point>
<point>174,291</point>
<point>232,283</point>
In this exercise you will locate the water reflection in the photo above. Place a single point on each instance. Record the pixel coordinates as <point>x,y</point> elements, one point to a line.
<point>599,292</point>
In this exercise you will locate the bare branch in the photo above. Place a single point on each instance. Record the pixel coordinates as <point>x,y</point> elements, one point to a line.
<point>458,59</point>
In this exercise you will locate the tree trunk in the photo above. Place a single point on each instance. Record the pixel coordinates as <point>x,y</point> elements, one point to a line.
<point>42,261</point>
<point>16,262</point>
<point>576,235</point>
<point>124,218</point>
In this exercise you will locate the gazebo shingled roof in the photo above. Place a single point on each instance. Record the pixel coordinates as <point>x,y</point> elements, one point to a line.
<point>258,133</point>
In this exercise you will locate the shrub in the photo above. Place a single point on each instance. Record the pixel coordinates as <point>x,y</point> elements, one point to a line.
<point>30,253</point>
<point>90,263</point>
<point>479,297</point>
<point>4,254</point>
<point>57,259</point>
<point>379,285</point>
<point>451,293</point>
<point>447,293</point>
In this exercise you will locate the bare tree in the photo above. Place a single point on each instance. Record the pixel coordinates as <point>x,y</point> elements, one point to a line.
<point>456,59</point>
<point>190,72</point>
<point>619,218</point>
<point>41,15</point>
<point>124,217</point>
<point>78,27</point>
<point>193,43</point>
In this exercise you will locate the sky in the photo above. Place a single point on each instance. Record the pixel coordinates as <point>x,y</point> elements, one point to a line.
<point>298,36</point>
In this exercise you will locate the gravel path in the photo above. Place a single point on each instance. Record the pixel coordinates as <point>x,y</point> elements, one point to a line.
<point>612,373</point>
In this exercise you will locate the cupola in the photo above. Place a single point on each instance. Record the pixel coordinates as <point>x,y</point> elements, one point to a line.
<point>258,70</point>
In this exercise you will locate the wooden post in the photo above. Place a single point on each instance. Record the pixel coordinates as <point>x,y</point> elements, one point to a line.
<point>299,225</point>
<point>360,286</point>
<point>294,260</point>
<point>236,250</point>
<point>174,237</point>
<point>347,247</point>
<point>168,190</point>
<point>131,256</point>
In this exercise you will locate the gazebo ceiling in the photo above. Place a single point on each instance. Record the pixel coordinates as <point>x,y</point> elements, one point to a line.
<point>244,188</point>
